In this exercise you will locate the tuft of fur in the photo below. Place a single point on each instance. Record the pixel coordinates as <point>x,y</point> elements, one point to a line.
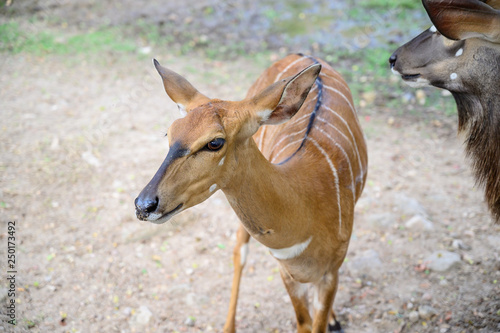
<point>479,118</point>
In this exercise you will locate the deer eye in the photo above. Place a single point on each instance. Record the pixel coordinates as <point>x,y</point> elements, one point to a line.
<point>215,144</point>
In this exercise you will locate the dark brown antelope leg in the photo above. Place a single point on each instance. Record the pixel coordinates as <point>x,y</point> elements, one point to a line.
<point>239,259</point>
<point>324,295</point>
<point>298,294</point>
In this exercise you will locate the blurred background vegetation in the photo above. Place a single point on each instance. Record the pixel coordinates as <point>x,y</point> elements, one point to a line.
<point>355,36</point>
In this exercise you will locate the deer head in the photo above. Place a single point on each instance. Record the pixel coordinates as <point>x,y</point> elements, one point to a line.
<point>210,141</point>
<point>461,53</point>
<point>458,52</point>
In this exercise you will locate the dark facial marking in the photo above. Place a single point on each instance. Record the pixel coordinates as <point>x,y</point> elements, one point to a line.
<point>176,151</point>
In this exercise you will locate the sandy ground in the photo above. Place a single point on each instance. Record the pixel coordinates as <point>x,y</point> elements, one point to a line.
<point>79,140</point>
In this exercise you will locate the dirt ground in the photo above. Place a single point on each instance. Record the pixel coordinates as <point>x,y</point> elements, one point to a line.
<point>80,141</point>
<point>81,137</point>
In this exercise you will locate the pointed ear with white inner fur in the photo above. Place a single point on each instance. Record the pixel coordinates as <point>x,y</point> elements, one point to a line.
<point>280,101</point>
<point>180,90</point>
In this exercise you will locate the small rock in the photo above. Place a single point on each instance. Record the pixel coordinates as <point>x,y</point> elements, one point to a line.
<point>419,222</point>
<point>441,261</point>
<point>413,316</point>
<point>460,245</point>
<point>470,233</point>
<point>190,321</point>
<point>494,240</point>
<point>365,264</point>
<point>141,317</point>
<point>408,206</point>
<point>443,282</point>
<point>468,259</point>
<point>426,297</point>
<point>90,158</point>
<point>127,311</point>
<point>426,312</point>
<point>382,220</point>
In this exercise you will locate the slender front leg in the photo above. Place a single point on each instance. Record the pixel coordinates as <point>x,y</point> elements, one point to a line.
<point>239,259</point>
<point>298,294</point>
<point>323,301</point>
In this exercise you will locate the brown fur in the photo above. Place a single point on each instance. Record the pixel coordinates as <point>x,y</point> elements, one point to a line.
<point>474,27</point>
<point>296,183</point>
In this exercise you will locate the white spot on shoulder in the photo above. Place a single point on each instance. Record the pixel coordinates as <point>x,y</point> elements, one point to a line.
<point>453,76</point>
<point>182,109</point>
<point>459,52</point>
<point>213,187</point>
<point>243,254</point>
<point>433,29</point>
<point>290,252</point>
<point>222,161</point>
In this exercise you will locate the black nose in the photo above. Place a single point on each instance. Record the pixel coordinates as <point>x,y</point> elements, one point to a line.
<point>392,59</point>
<point>145,204</point>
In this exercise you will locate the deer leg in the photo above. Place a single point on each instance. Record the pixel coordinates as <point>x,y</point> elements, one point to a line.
<point>323,300</point>
<point>239,259</point>
<point>298,295</point>
<point>334,324</point>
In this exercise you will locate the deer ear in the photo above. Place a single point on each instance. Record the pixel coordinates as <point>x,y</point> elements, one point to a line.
<point>462,19</point>
<point>179,89</point>
<point>281,100</point>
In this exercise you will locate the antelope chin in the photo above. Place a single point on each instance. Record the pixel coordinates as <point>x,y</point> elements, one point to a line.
<point>162,218</point>
<point>415,81</point>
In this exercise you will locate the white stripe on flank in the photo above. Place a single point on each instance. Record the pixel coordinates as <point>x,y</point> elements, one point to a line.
<point>353,186</point>
<point>343,96</point>
<point>290,252</point>
<point>289,135</point>
<point>335,128</point>
<point>343,84</point>
<point>352,136</point>
<point>335,176</point>
<point>288,67</point>
<point>285,147</point>
<point>352,143</point>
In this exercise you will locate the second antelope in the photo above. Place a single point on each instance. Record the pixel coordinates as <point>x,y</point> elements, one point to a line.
<point>293,185</point>
<point>461,53</point>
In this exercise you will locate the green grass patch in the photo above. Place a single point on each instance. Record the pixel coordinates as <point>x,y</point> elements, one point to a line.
<point>15,39</point>
<point>390,4</point>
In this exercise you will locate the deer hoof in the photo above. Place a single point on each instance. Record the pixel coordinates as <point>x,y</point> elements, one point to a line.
<point>335,328</point>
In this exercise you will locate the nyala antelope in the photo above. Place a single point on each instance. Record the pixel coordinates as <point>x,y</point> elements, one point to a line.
<point>461,53</point>
<point>293,185</point>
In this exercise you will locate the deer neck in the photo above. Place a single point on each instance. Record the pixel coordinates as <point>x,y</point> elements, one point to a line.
<point>479,118</point>
<point>265,198</point>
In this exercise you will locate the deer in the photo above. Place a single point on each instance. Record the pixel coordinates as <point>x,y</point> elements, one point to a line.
<point>461,53</point>
<point>291,159</point>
